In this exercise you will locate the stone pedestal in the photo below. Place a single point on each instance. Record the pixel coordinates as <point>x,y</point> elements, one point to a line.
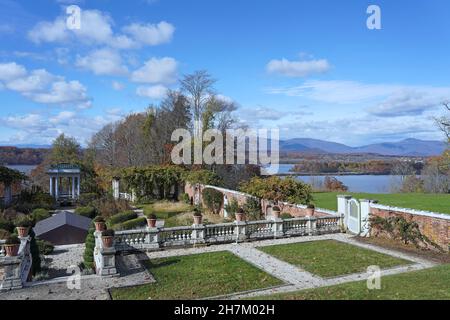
<point>277,227</point>
<point>312,226</point>
<point>198,233</point>
<point>240,231</point>
<point>152,239</point>
<point>107,262</point>
<point>11,278</point>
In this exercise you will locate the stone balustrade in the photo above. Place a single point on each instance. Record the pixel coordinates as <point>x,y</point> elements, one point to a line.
<point>14,271</point>
<point>157,238</point>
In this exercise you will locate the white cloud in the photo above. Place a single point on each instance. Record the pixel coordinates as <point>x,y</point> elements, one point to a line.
<point>153,92</point>
<point>11,71</point>
<point>151,34</point>
<point>97,29</point>
<point>378,99</point>
<point>43,87</point>
<point>156,70</point>
<point>103,62</point>
<point>300,68</point>
<point>118,86</point>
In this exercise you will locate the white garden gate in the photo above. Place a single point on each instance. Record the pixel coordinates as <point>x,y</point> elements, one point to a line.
<point>354,216</point>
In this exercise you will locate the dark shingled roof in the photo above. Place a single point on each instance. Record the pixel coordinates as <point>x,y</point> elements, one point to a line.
<point>61,219</point>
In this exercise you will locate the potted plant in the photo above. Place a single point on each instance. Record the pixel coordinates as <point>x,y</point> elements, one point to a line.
<point>240,215</point>
<point>23,227</point>
<point>12,246</point>
<point>108,238</point>
<point>197,216</point>
<point>310,210</point>
<point>276,212</point>
<point>100,224</point>
<point>151,220</point>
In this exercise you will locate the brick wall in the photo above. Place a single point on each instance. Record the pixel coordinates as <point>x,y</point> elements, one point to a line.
<point>434,226</point>
<point>294,210</point>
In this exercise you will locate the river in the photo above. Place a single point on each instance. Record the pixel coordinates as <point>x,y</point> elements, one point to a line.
<point>26,169</point>
<point>355,183</point>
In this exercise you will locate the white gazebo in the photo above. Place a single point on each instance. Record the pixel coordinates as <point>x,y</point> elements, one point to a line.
<point>64,181</point>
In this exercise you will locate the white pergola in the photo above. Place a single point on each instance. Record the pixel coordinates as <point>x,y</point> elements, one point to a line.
<point>64,181</point>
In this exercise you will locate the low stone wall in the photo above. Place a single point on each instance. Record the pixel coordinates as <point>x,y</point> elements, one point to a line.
<point>294,210</point>
<point>435,226</point>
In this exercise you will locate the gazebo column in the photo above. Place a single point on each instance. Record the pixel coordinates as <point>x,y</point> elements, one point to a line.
<point>78,186</point>
<point>57,187</point>
<point>73,187</point>
<point>51,186</point>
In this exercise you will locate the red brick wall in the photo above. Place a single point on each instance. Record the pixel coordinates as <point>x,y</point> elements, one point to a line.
<point>293,210</point>
<point>436,229</point>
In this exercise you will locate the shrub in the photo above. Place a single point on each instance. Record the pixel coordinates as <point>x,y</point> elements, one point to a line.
<point>122,217</point>
<point>4,234</point>
<point>202,177</point>
<point>87,198</point>
<point>45,247</point>
<point>107,206</point>
<point>253,208</point>
<point>88,212</point>
<point>311,206</point>
<point>88,256</point>
<point>185,198</point>
<point>286,215</point>
<point>40,214</point>
<point>333,184</point>
<point>12,239</point>
<point>34,250</point>
<point>131,224</point>
<point>212,199</point>
<point>6,225</point>
<point>232,207</point>
<point>276,189</point>
<point>24,222</point>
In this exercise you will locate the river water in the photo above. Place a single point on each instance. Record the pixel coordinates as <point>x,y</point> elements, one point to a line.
<point>355,183</point>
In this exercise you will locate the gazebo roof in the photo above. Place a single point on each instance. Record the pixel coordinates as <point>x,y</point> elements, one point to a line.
<point>64,168</point>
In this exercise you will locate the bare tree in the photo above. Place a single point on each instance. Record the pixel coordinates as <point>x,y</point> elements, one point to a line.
<point>104,145</point>
<point>444,121</point>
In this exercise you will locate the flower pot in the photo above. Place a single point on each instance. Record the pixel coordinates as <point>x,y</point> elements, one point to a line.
<point>198,220</point>
<point>151,223</point>
<point>11,250</point>
<point>22,231</point>
<point>107,242</point>
<point>309,212</point>
<point>100,226</point>
<point>239,217</point>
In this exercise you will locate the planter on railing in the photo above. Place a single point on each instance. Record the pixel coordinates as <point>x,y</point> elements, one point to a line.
<point>108,238</point>
<point>151,221</point>
<point>100,224</point>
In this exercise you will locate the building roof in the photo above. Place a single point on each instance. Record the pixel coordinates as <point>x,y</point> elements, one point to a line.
<point>64,168</point>
<point>61,219</point>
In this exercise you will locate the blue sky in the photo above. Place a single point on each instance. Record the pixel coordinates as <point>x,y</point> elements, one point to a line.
<point>310,68</point>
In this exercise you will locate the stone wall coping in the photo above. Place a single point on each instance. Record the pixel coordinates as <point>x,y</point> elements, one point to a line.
<point>412,211</point>
<point>321,210</point>
<point>230,191</point>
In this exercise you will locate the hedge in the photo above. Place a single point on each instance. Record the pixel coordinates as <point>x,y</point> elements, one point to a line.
<point>122,217</point>
<point>131,224</point>
<point>45,247</point>
<point>88,212</point>
<point>40,214</point>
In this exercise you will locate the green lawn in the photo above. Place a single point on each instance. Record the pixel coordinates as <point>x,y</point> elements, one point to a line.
<point>429,284</point>
<point>420,201</point>
<point>330,258</point>
<point>198,276</point>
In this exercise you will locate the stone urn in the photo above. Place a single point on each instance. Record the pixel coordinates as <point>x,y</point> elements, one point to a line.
<point>198,218</point>
<point>151,222</point>
<point>22,231</point>
<point>240,215</point>
<point>108,241</point>
<point>11,250</point>
<point>100,226</point>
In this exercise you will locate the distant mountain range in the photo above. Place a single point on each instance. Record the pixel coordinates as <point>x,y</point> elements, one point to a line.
<point>407,147</point>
